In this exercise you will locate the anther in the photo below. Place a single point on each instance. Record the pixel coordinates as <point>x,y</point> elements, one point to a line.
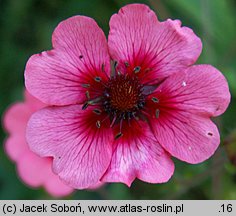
<point>87,94</point>
<point>85,85</point>
<point>155,100</point>
<point>140,105</point>
<point>81,56</point>
<point>94,101</point>
<point>157,113</point>
<point>98,79</point>
<point>137,69</point>
<point>85,106</point>
<point>98,124</point>
<point>117,136</point>
<point>103,67</point>
<point>126,64</point>
<point>97,111</point>
<point>114,65</point>
<point>106,94</point>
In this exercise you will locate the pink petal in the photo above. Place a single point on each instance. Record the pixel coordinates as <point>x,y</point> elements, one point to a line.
<point>14,121</point>
<point>81,151</point>
<point>16,116</point>
<point>15,146</point>
<point>201,89</point>
<point>187,100</point>
<point>36,171</point>
<point>138,155</point>
<point>57,188</point>
<point>33,103</point>
<point>32,169</point>
<point>159,48</point>
<point>188,137</point>
<point>96,186</point>
<point>80,51</point>
<point>53,184</point>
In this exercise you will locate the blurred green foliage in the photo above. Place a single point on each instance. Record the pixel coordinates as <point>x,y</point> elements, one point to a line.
<point>26,27</point>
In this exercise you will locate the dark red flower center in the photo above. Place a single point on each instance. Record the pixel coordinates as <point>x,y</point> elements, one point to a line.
<point>123,96</point>
<point>123,93</point>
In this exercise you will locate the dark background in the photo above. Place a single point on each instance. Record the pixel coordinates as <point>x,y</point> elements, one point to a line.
<point>26,27</point>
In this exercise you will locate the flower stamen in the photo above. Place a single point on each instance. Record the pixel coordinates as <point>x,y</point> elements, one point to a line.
<point>87,94</point>
<point>85,85</point>
<point>98,124</point>
<point>155,100</point>
<point>117,136</point>
<point>85,106</point>
<point>123,98</point>
<point>137,69</point>
<point>126,64</point>
<point>157,113</point>
<point>114,65</point>
<point>98,79</point>
<point>97,111</point>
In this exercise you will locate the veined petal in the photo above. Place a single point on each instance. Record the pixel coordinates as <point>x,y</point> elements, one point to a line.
<point>188,137</point>
<point>79,55</point>
<point>200,89</point>
<point>32,103</point>
<point>32,169</point>
<point>159,48</point>
<point>138,155</point>
<point>81,151</point>
<point>185,102</point>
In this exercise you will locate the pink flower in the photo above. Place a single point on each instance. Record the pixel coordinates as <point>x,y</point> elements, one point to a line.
<point>125,123</point>
<point>32,169</point>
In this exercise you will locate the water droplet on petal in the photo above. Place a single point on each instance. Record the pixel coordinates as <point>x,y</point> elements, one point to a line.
<point>184,83</point>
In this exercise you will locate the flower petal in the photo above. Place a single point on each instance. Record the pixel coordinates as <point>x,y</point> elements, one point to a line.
<point>159,48</point>
<point>185,102</point>
<point>188,137</point>
<point>201,89</point>
<point>16,116</point>
<point>33,103</point>
<point>15,146</point>
<point>96,186</point>
<point>36,171</point>
<point>33,169</point>
<point>138,155</point>
<point>80,53</point>
<point>57,188</point>
<point>81,151</point>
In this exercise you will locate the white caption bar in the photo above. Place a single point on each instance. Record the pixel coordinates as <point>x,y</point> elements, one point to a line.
<point>116,207</point>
